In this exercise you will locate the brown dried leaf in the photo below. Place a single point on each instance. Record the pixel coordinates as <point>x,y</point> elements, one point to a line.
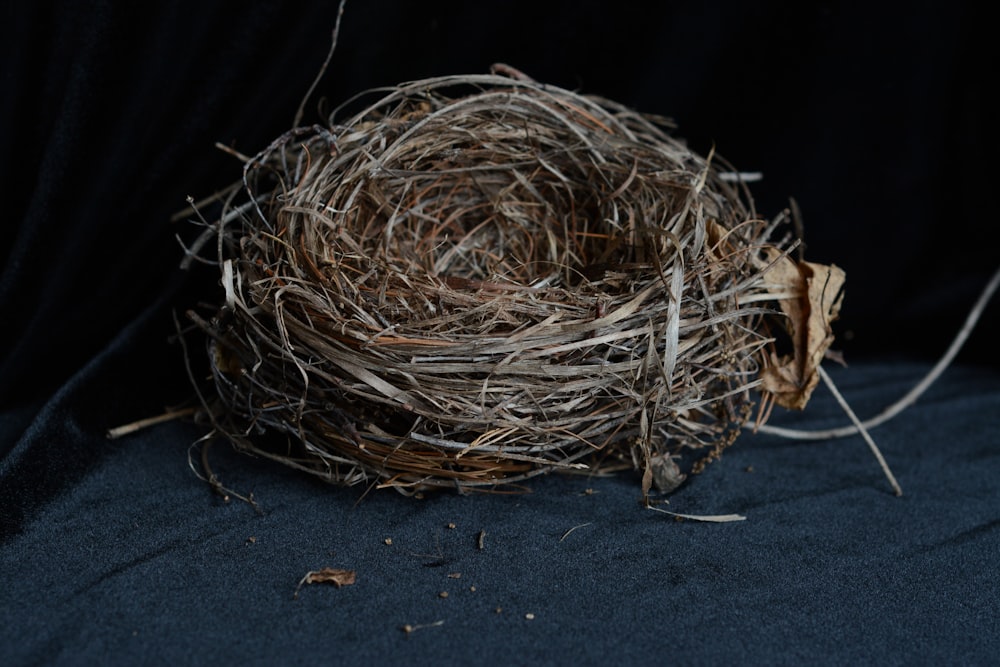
<point>814,294</point>
<point>328,575</point>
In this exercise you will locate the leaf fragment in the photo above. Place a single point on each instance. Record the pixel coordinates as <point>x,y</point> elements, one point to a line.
<point>812,295</point>
<point>327,575</point>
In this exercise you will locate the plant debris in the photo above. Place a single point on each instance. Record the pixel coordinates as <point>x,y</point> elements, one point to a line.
<point>327,575</point>
<point>708,518</point>
<point>409,629</point>
<point>566,534</point>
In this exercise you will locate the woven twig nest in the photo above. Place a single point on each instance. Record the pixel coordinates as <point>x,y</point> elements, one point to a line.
<point>477,279</point>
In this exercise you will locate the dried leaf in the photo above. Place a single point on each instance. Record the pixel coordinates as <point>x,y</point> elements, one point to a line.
<point>328,575</point>
<point>811,298</point>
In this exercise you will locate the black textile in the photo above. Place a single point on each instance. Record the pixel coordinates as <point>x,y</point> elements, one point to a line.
<point>873,120</point>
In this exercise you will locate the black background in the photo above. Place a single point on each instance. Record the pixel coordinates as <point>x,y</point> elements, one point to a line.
<point>872,117</point>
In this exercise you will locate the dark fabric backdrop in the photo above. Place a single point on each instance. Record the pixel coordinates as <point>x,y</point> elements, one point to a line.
<point>872,116</point>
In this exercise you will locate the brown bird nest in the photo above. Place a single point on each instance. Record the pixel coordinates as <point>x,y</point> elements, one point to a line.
<point>477,279</point>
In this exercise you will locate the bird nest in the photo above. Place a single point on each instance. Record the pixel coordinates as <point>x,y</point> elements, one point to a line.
<point>477,279</point>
